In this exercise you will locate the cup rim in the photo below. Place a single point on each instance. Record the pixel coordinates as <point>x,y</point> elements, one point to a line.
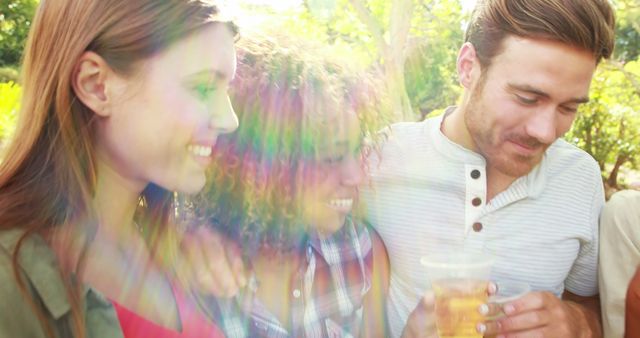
<point>522,287</point>
<point>476,260</point>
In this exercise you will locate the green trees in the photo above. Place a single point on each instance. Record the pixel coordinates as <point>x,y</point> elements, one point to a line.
<point>627,29</point>
<point>608,127</point>
<point>430,72</point>
<point>15,20</point>
<point>413,44</point>
<point>410,47</point>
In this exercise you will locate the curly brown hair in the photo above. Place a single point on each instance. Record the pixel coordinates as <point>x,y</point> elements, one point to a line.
<point>589,25</point>
<point>285,93</point>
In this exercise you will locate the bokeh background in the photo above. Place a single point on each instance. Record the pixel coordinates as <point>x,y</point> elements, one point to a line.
<point>408,48</point>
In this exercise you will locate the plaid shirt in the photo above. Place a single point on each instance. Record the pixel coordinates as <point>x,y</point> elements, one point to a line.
<point>327,292</point>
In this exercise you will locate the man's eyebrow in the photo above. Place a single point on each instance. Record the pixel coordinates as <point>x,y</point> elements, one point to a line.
<point>579,100</point>
<point>528,89</point>
<point>536,91</point>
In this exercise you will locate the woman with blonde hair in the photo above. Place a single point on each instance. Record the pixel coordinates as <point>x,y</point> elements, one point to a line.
<point>122,104</point>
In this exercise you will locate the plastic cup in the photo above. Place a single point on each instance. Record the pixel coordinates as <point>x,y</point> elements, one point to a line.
<point>459,282</point>
<point>508,291</point>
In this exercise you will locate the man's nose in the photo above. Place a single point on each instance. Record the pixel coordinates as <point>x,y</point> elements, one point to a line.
<point>542,125</point>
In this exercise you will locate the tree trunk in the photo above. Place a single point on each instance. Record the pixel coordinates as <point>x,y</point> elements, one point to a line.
<point>396,87</point>
<point>399,26</point>
<point>392,51</point>
<point>612,180</point>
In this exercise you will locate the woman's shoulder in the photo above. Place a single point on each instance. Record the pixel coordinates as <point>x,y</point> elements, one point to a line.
<point>34,254</point>
<point>9,238</point>
<point>16,315</point>
<point>40,279</point>
<point>37,271</point>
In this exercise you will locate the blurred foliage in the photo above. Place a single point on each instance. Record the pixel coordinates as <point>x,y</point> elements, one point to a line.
<point>9,105</point>
<point>627,29</point>
<point>15,20</point>
<point>9,74</point>
<point>608,127</point>
<point>430,71</point>
<point>434,38</point>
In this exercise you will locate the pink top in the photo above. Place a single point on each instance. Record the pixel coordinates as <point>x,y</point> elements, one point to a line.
<point>194,323</point>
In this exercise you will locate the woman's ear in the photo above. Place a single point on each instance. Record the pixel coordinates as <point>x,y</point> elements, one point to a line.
<point>89,82</point>
<point>466,64</point>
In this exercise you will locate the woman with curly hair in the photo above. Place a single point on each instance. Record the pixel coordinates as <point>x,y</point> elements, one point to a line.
<point>283,187</point>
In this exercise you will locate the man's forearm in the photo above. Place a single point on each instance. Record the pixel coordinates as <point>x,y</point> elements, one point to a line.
<point>587,315</point>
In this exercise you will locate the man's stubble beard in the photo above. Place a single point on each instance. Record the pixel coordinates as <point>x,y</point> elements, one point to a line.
<point>488,144</point>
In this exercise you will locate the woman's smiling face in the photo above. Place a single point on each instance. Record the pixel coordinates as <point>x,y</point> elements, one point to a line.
<point>169,115</point>
<point>330,186</point>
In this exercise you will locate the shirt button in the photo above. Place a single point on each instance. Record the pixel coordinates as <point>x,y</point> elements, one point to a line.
<point>477,226</point>
<point>296,293</point>
<point>476,201</point>
<point>475,174</point>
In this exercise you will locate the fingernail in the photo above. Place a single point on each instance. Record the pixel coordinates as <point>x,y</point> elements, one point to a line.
<point>508,309</point>
<point>483,309</point>
<point>481,328</point>
<point>493,288</point>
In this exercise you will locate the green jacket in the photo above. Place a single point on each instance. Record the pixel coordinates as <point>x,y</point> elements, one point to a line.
<point>39,267</point>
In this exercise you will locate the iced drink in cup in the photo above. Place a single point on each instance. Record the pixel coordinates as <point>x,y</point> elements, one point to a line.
<point>459,282</point>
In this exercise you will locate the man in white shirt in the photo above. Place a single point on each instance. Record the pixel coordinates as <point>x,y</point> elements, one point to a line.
<point>493,176</point>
